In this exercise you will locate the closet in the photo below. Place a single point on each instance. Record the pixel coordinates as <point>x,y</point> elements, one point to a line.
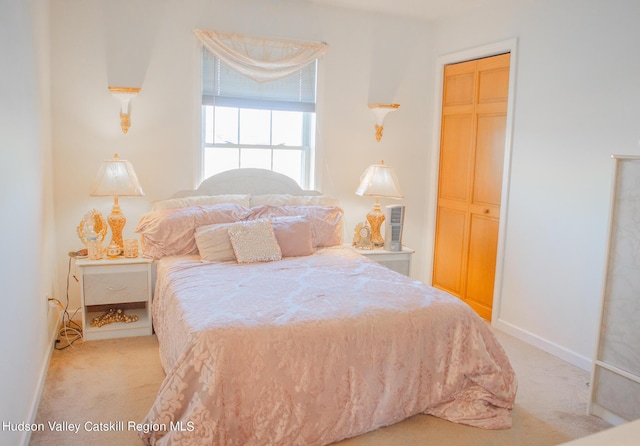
<point>472,146</point>
<point>615,378</point>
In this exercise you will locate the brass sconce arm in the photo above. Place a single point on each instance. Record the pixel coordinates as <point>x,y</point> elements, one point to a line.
<point>124,94</point>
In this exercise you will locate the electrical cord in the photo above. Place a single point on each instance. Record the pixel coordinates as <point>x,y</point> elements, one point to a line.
<point>71,331</point>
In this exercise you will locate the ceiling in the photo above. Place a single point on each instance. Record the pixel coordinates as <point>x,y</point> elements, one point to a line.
<point>419,9</point>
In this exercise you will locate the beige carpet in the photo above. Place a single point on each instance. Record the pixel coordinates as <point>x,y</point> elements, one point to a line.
<point>110,380</point>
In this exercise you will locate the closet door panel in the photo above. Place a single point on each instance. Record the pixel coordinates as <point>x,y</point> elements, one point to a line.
<point>487,178</point>
<point>450,250</point>
<point>459,84</point>
<point>455,157</point>
<point>493,79</point>
<point>483,242</point>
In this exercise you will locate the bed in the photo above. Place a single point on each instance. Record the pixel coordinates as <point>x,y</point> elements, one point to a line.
<point>311,346</point>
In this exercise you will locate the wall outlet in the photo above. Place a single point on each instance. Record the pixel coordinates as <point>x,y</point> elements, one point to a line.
<point>54,314</point>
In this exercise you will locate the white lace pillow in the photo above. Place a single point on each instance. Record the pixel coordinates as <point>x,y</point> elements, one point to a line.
<point>254,241</point>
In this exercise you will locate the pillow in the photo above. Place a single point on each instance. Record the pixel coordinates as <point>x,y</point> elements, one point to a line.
<point>214,244</point>
<point>172,231</point>
<point>201,200</point>
<point>294,235</point>
<point>326,221</point>
<point>254,241</point>
<point>289,200</point>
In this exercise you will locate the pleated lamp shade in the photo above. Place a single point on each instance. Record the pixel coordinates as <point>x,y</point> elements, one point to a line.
<point>379,180</point>
<point>116,178</point>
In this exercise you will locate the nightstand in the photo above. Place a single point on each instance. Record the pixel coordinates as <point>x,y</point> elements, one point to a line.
<point>120,283</point>
<point>399,261</point>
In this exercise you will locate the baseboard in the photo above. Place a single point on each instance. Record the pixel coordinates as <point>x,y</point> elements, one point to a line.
<point>547,346</point>
<point>53,335</point>
<point>599,411</point>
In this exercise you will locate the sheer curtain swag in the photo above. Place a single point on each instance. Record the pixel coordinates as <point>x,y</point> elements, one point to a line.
<point>261,59</point>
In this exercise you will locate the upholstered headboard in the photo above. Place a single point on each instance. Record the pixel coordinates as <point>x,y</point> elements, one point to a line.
<point>247,181</point>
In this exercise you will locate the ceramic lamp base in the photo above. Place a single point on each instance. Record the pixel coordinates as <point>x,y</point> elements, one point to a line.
<point>375,219</point>
<point>117,221</point>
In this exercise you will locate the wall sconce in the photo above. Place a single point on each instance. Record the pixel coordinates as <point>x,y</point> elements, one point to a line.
<point>124,94</point>
<point>380,111</point>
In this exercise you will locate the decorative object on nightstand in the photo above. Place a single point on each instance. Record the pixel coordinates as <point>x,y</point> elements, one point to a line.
<point>131,248</point>
<point>92,231</point>
<point>124,94</point>
<point>379,181</point>
<point>113,315</point>
<point>116,178</point>
<point>380,111</point>
<point>113,250</point>
<point>362,236</point>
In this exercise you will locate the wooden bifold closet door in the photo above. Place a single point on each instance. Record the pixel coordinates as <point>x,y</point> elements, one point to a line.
<point>472,144</point>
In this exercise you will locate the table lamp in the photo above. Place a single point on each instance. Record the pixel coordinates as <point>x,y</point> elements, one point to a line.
<point>116,178</point>
<point>379,180</point>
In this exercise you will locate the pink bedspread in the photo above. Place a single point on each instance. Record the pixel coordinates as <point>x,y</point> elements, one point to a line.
<point>311,350</point>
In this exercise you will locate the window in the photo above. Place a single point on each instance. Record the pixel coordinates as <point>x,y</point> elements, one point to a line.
<point>268,125</point>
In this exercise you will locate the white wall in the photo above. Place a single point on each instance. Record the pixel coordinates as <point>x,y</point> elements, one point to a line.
<point>577,97</point>
<point>27,273</point>
<point>371,59</point>
<point>576,103</point>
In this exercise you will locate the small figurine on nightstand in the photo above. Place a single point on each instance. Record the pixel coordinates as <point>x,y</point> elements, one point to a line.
<point>113,250</point>
<point>91,231</point>
<point>362,236</point>
<point>130,250</point>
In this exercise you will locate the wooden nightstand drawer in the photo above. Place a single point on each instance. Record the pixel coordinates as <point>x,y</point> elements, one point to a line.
<point>109,288</point>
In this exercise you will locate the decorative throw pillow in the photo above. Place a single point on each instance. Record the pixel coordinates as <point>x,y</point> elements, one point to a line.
<point>214,244</point>
<point>254,241</point>
<point>326,221</point>
<point>293,235</point>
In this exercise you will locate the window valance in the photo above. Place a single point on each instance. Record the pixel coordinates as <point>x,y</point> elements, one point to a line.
<point>261,59</point>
